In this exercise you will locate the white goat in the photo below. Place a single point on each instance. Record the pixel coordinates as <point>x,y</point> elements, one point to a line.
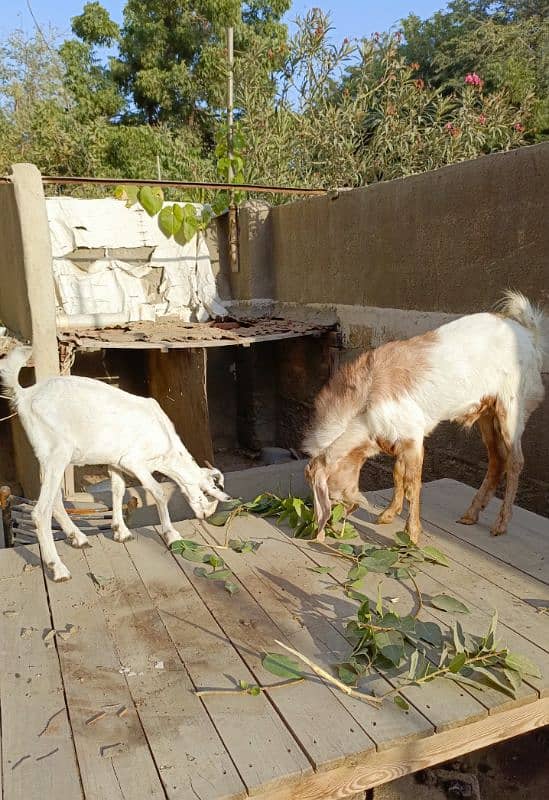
<point>80,421</point>
<point>483,368</point>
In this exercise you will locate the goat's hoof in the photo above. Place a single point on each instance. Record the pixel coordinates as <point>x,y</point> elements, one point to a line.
<point>468,519</point>
<point>498,530</point>
<point>171,536</point>
<point>126,536</point>
<point>78,542</point>
<point>320,537</point>
<point>60,573</point>
<point>385,517</point>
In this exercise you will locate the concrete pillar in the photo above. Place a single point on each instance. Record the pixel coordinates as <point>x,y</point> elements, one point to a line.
<point>36,318</point>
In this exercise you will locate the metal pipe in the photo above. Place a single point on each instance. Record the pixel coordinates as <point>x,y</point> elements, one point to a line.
<point>61,180</point>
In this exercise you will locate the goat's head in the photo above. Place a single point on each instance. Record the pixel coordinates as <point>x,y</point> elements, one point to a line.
<point>336,481</point>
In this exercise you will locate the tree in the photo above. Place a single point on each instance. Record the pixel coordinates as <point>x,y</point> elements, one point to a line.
<point>171,56</point>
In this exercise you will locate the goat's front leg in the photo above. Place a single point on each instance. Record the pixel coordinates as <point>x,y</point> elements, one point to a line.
<point>121,532</point>
<point>413,464</point>
<point>168,532</point>
<point>52,475</point>
<point>72,532</point>
<point>397,502</point>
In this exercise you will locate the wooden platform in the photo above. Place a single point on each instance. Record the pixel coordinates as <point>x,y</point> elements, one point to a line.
<point>107,709</point>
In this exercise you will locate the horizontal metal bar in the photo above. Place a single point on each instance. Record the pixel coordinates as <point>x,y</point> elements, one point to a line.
<point>60,180</point>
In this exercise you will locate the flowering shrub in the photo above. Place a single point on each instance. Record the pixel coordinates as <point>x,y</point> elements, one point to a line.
<point>354,113</point>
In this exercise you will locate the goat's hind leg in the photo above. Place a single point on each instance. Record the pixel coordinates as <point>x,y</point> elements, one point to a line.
<point>74,535</point>
<point>497,455</point>
<point>121,532</point>
<point>513,468</point>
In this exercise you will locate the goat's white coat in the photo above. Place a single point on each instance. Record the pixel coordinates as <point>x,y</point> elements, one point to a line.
<point>80,421</point>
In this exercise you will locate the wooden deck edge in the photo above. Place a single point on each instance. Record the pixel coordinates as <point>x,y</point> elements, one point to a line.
<point>388,765</point>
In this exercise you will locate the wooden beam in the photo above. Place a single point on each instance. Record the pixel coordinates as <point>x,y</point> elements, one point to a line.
<point>177,380</point>
<point>388,765</point>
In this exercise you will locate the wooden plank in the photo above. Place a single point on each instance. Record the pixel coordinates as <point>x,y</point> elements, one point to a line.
<point>113,754</point>
<point>523,547</point>
<point>389,765</point>
<point>246,725</point>
<point>296,600</point>
<point>178,382</point>
<point>515,594</point>
<point>241,341</point>
<point>38,758</point>
<point>189,754</point>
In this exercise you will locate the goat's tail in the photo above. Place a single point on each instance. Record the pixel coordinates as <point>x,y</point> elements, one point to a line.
<point>11,366</point>
<point>515,305</point>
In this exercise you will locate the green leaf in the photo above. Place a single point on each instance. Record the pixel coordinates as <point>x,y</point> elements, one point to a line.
<point>320,570</point>
<point>200,572</point>
<point>127,193</point>
<point>151,198</point>
<point>496,680</point>
<point>195,555</point>
<point>403,539</point>
<point>219,575</point>
<point>391,646</point>
<point>254,691</point>
<point>185,544</point>
<point>215,560</point>
<point>347,674</point>
<point>490,639</point>
<point>282,666</point>
<point>337,513</point>
<point>432,554</point>
<point>380,561</point>
<point>346,549</point>
<point>168,222</point>
<point>224,511</point>
<point>401,702</point>
<point>414,658</point>
<point>379,603</point>
<point>356,573</point>
<point>457,662</point>
<point>459,639</point>
<point>447,603</point>
<point>231,587</point>
<point>522,665</point>
<point>429,632</point>
<point>513,677</point>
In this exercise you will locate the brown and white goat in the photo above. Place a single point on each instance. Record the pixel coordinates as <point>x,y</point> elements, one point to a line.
<point>481,368</point>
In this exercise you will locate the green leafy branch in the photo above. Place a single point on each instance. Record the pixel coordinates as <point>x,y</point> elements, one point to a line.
<point>214,567</point>
<point>381,639</point>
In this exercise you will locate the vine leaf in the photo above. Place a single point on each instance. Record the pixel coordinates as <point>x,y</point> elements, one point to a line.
<point>282,666</point>
<point>445,602</point>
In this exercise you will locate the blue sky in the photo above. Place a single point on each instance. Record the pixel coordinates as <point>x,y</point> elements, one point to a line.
<point>350,17</point>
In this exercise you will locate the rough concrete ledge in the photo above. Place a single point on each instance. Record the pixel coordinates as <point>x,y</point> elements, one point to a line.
<point>280,479</point>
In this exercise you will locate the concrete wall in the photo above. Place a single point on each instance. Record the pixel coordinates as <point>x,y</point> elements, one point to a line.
<point>399,258</point>
<point>448,240</point>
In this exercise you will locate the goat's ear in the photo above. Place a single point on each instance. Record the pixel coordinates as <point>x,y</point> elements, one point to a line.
<point>321,496</point>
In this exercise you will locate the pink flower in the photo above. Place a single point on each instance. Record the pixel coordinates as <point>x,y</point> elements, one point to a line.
<point>518,126</point>
<point>482,119</point>
<point>449,126</point>
<point>472,79</point>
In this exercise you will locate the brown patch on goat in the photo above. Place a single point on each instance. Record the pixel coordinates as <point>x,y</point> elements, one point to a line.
<point>381,374</point>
